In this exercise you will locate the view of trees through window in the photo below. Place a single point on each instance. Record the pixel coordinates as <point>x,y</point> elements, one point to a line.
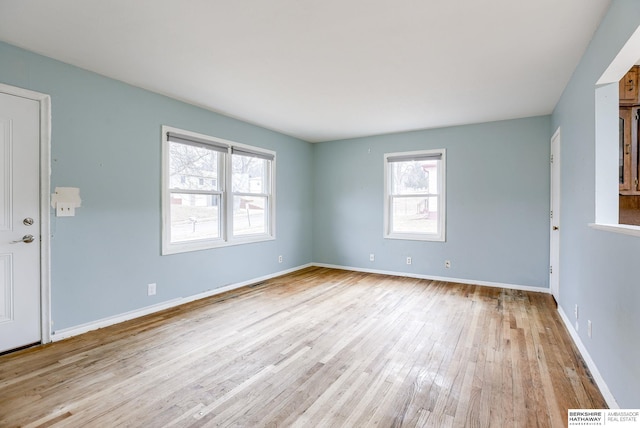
<point>414,196</point>
<point>196,180</point>
<point>249,201</point>
<point>195,195</point>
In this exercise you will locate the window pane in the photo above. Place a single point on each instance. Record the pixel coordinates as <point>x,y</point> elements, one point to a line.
<point>192,168</point>
<point>194,217</point>
<point>249,174</point>
<point>414,215</point>
<point>413,177</point>
<point>249,215</point>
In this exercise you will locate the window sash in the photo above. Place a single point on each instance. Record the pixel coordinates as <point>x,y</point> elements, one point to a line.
<point>395,230</point>
<point>266,177</point>
<point>178,232</point>
<point>223,194</point>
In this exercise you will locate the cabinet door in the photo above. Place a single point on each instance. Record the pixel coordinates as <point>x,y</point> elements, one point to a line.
<point>635,150</point>
<point>628,87</point>
<point>624,166</point>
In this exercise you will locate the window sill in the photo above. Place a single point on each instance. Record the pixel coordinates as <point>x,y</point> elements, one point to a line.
<point>625,229</point>
<point>415,237</point>
<point>209,245</point>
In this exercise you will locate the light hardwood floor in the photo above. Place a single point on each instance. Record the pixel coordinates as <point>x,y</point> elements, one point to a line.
<point>318,347</point>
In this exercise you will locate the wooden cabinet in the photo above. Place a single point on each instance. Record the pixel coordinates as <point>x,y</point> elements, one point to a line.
<point>628,87</point>
<point>625,149</point>
<point>629,151</point>
<point>629,162</point>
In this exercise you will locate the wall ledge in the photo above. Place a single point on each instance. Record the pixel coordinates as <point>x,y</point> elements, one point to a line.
<point>624,229</point>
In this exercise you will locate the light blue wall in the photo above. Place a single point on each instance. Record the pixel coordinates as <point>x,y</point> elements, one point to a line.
<point>497,203</point>
<point>106,141</point>
<point>599,270</point>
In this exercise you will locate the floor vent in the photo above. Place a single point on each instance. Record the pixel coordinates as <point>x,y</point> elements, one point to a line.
<point>256,284</point>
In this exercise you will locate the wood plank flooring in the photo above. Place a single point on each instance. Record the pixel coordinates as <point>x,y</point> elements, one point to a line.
<point>318,347</point>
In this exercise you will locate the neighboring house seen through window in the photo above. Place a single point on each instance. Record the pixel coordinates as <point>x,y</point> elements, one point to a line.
<point>215,192</point>
<point>415,195</point>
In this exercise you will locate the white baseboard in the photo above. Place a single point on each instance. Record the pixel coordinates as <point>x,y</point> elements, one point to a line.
<point>604,389</point>
<point>105,322</point>
<point>602,385</point>
<point>439,278</point>
<point>116,319</point>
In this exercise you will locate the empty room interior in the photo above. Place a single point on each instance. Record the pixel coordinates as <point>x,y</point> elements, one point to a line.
<point>337,213</point>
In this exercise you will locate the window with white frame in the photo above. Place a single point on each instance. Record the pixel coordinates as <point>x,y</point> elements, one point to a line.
<point>215,192</point>
<point>415,195</point>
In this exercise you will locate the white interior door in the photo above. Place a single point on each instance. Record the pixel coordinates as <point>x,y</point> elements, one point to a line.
<point>554,251</point>
<point>20,304</point>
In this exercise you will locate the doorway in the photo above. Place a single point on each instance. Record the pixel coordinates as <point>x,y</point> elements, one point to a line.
<point>24,218</point>
<point>554,250</point>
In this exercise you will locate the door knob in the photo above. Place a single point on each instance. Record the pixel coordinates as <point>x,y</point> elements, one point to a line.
<point>26,239</point>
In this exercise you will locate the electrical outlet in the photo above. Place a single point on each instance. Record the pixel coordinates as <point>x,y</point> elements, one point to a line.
<point>447,264</point>
<point>589,328</point>
<point>372,257</point>
<point>279,259</point>
<point>408,260</point>
<point>151,289</point>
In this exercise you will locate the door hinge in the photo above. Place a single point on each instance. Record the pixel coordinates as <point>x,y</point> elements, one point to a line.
<point>551,213</point>
<point>551,158</point>
<point>550,269</point>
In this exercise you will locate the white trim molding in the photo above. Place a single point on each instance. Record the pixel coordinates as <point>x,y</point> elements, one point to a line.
<point>602,385</point>
<point>223,192</point>
<point>439,278</point>
<point>116,319</point>
<point>106,322</point>
<point>624,229</point>
<point>45,185</point>
<point>438,191</point>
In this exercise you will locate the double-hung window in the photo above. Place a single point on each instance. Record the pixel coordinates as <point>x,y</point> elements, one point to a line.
<point>415,195</point>
<point>215,192</point>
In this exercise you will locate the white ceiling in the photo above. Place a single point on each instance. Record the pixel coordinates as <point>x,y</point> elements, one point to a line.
<point>324,70</point>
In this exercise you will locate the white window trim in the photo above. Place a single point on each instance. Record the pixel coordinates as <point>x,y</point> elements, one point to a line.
<point>624,229</point>
<point>442,202</point>
<point>226,238</point>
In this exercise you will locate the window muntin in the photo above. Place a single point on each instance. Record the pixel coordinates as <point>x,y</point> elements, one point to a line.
<point>414,195</point>
<point>195,198</point>
<point>215,192</point>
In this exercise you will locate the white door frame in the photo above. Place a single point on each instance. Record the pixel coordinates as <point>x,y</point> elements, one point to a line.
<point>554,222</point>
<point>45,185</point>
